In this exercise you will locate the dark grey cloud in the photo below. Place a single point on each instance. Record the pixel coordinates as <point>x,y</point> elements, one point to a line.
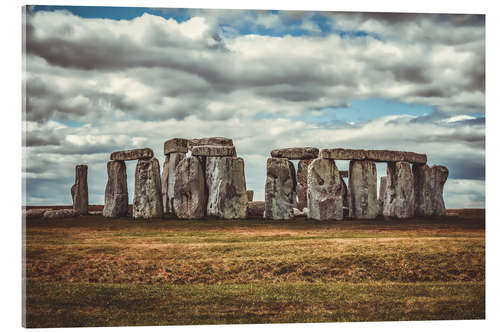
<point>134,84</point>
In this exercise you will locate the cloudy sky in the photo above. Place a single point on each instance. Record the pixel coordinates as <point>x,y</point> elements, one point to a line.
<point>104,79</point>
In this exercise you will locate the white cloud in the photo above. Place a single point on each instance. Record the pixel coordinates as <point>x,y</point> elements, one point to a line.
<point>138,83</point>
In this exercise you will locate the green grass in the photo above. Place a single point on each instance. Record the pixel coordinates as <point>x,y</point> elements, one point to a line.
<point>92,271</point>
<point>68,304</point>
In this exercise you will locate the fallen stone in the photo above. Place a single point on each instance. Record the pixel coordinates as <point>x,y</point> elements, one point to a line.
<point>175,145</point>
<point>250,195</point>
<point>133,154</point>
<point>80,190</point>
<point>147,192</point>
<point>302,167</point>
<point>429,183</point>
<point>213,151</point>
<point>213,141</point>
<point>363,202</point>
<point>96,213</point>
<point>325,193</point>
<point>116,193</point>
<point>226,185</point>
<point>381,195</point>
<point>168,181</point>
<point>59,213</point>
<point>189,189</point>
<point>300,213</point>
<point>399,199</point>
<point>35,213</point>
<point>256,209</point>
<point>298,153</point>
<point>344,173</point>
<point>280,189</point>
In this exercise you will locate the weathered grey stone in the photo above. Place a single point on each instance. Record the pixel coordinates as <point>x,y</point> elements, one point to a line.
<point>59,213</point>
<point>280,189</point>
<point>256,208</point>
<point>344,173</point>
<point>374,155</point>
<point>213,151</point>
<point>363,202</point>
<point>189,189</point>
<point>300,213</point>
<point>80,190</point>
<point>429,182</point>
<point>381,195</point>
<point>347,197</point>
<point>213,141</point>
<point>116,194</point>
<point>399,194</point>
<point>175,145</point>
<point>297,153</point>
<point>133,154</point>
<point>302,167</point>
<point>395,156</point>
<point>34,213</point>
<point>250,195</point>
<point>412,157</point>
<point>227,192</point>
<point>147,193</point>
<point>325,193</point>
<point>168,181</point>
<point>96,213</point>
<point>342,154</point>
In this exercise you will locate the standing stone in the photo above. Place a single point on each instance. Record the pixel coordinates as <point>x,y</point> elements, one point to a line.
<point>302,167</point>
<point>429,182</point>
<point>116,194</point>
<point>363,202</point>
<point>189,189</point>
<point>347,196</point>
<point>168,181</point>
<point>381,195</point>
<point>226,187</point>
<point>147,194</point>
<point>280,189</point>
<point>325,193</point>
<point>250,195</point>
<point>399,194</point>
<point>80,191</point>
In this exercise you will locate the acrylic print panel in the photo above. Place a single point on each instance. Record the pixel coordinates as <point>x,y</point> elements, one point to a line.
<point>202,216</point>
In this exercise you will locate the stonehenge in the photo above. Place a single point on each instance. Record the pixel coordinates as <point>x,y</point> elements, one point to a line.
<point>116,193</point>
<point>189,189</point>
<point>428,184</point>
<point>227,193</point>
<point>302,183</point>
<point>325,193</point>
<point>80,190</point>
<point>399,200</point>
<point>362,200</point>
<point>147,194</point>
<point>280,189</point>
<point>204,177</point>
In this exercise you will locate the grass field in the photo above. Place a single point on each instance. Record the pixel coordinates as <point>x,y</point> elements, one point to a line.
<point>92,271</point>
